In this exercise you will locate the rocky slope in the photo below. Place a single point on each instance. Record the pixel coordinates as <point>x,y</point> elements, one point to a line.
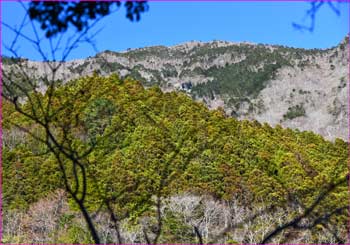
<point>297,88</point>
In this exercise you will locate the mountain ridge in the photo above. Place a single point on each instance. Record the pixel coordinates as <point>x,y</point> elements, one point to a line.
<point>247,80</point>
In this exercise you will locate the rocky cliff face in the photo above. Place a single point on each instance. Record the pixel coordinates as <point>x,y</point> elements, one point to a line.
<point>297,88</point>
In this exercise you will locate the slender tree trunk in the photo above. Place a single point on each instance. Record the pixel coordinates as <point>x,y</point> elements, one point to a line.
<point>115,220</point>
<point>88,220</point>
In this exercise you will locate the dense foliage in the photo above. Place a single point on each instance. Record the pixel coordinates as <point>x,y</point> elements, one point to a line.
<point>147,144</point>
<point>55,18</point>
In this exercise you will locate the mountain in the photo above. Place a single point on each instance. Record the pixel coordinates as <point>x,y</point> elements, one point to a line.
<point>297,88</point>
<point>164,165</point>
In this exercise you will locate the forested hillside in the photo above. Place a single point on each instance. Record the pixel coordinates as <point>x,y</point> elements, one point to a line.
<point>247,80</point>
<point>155,167</point>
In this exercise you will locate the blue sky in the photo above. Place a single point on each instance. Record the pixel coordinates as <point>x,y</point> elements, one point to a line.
<point>170,23</point>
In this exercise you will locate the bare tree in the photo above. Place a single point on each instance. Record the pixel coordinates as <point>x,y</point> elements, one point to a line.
<point>311,14</point>
<point>307,213</point>
<point>20,87</point>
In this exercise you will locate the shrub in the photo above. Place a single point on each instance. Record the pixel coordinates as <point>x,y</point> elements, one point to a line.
<point>294,112</point>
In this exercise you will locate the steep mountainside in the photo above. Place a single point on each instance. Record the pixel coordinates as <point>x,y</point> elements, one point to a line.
<point>164,164</point>
<point>297,88</point>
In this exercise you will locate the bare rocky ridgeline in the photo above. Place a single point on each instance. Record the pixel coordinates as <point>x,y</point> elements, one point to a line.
<point>297,88</point>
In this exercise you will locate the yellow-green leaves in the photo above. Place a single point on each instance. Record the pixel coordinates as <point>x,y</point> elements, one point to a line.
<point>141,143</point>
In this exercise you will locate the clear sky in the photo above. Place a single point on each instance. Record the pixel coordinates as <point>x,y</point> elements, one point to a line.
<point>170,23</point>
